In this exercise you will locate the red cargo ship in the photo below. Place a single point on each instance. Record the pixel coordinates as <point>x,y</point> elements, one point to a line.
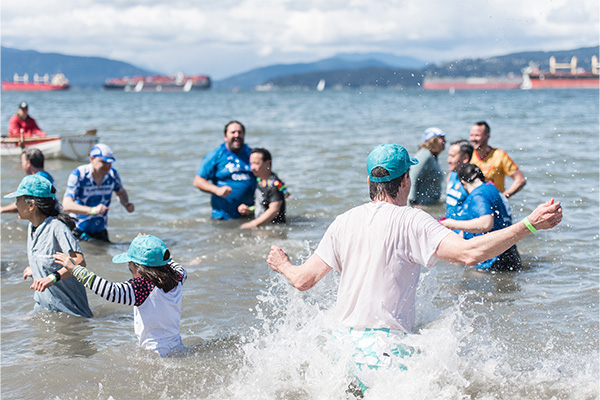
<point>576,78</point>
<point>472,83</point>
<point>43,83</point>
<point>159,83</point>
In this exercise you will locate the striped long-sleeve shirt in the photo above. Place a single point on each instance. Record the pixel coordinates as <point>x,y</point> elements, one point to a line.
<point>131,293</point>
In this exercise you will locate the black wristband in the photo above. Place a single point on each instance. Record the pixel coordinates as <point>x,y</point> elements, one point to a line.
<point>57,275</point>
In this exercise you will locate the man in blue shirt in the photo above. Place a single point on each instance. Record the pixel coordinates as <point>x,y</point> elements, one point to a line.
<point>89,192</point>
<point>459,154</point>
<point>225,173</point>
<point>32,161</point>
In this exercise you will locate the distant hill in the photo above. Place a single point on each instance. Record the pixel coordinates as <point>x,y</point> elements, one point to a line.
<point>384,76</point>
<point>375,77</point>
<point>80,71</point>
<point>512,63</point>
<point>349,62</point>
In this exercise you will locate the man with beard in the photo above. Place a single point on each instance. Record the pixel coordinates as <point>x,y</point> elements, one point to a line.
<point>225,173</point>
<point>494,163</point>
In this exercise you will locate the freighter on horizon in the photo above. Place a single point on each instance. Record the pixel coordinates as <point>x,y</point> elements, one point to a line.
<point>533,78</point>
<point>576,78</point>
<point>159,83</point>
<point>40,83</point>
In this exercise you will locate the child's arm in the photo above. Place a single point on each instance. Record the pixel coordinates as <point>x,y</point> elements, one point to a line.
<point>122,292</point>
<point>179,269</point>
<point>63,273</point>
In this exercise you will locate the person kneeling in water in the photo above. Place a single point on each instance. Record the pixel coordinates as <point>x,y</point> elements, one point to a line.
<point>155,291</point>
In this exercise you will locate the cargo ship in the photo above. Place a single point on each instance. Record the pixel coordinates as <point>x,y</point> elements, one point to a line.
<point>159,83</point>
<point>472,83</point>
<point>574,78</point>
<point>40,83</point>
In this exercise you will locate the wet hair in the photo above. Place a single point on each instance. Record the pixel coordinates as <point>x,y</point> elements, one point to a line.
<point>431,143</point>
<point>35,157</point>
<point>234,122</point>
<point>470,172</point>
<point>485,125</point>
<point>378,190</point>
<point>51,208</point>
<point>163,277</point>
<point>266,156</point>
<point>464,147</point>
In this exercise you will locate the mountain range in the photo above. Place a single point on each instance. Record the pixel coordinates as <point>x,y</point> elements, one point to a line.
<point>342,70</point>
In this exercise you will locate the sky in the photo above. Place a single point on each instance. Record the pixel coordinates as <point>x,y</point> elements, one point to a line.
<point>222,38</point>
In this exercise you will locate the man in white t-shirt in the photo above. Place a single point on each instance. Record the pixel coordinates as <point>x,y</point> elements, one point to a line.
<point>378,249</point>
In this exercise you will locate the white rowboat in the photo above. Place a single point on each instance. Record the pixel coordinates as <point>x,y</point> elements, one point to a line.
<point>73,147</point>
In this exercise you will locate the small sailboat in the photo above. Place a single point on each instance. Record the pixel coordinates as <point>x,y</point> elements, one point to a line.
<point>321,85</point>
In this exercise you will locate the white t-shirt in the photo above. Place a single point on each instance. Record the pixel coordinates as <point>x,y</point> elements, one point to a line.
<point>156,321</point>
<point>378,248</point>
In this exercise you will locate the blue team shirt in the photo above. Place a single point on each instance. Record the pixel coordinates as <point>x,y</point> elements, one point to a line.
<point>82,188</point>
<point>46,175</point>
<point>485,200</point>
<point>223,167</point>
<point>455,197</point>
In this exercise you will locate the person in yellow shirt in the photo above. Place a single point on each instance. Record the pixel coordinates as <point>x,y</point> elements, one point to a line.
<point>494,163</point>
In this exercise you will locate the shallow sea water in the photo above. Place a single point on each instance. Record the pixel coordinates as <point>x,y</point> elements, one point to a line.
<point>526,335</point>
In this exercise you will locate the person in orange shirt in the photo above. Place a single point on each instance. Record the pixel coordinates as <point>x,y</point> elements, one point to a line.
<point>22,123</point>
<point>494,163</point>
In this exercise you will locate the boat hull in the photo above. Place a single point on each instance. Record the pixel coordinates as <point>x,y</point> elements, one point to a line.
<point>72,147</point>
<point>31,87</point>
<point>471,84</point>
<point>159,83</point>
<point>565,81</point>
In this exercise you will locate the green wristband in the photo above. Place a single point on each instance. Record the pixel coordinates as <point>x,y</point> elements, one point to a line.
<point>53,276</point>
<point>528,225</point>
<point>93,211</point>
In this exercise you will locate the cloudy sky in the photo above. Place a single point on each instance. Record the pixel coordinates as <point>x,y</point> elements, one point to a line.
<point>225,37</point>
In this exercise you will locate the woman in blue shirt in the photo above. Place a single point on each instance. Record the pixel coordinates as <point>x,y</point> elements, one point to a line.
<point>485,210</point>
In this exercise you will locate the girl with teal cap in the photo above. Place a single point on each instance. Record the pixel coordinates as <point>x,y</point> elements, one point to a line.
<point>49,232</point>
<point>154,291</point>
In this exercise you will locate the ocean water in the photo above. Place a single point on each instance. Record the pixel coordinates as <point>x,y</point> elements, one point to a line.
<point>533,334</point>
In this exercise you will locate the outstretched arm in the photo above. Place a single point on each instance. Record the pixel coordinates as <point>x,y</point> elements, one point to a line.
<point>44,283</point>
<point>122,293</point>
<point>302,277</point>
<point>481,224</point>
<point>470,252</point>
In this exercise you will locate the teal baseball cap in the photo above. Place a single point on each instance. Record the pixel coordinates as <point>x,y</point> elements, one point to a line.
<point>146,250</point>
<point>35,186</point>
<point>393,157</point>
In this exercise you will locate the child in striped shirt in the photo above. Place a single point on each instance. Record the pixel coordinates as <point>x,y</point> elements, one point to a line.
<point>155,291</point>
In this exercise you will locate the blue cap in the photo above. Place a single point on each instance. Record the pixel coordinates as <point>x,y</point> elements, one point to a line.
<point>146,250</point>
<point>393,157</point>
<point>102,151</point>
<point>34,185</point>
<point>431,133</point>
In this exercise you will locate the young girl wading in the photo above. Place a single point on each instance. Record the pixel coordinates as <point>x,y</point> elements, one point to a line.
<point>49,231</point>
<point>155,291</point>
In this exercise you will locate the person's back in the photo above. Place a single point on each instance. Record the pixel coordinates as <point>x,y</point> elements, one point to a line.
<point>156,320</point>
<point>427,179</point>
<point>392,242</point>
<point>487,199</point>
<point>426,176</point>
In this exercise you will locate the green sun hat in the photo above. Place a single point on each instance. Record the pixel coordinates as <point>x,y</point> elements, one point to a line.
<point>35,186</point>
<point>146,250</point>
<point>393,157</point>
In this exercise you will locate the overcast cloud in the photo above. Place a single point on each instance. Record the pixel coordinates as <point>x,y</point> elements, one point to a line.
<point>225,37</point>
